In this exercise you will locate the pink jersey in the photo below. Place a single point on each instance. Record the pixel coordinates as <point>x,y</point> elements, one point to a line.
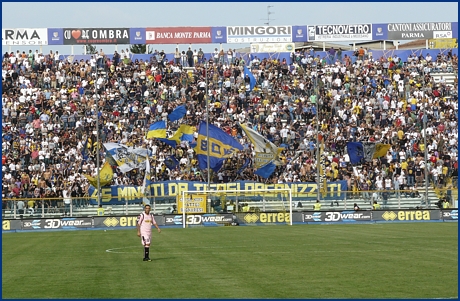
<point>145,222</point>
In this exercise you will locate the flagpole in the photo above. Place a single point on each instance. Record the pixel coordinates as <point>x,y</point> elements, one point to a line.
<point>207,126</point>
<point>318,194</point>
<point>97,145</point>
<point>425,120</point>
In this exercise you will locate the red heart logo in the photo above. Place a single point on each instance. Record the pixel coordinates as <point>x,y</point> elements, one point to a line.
<point>76,34</point>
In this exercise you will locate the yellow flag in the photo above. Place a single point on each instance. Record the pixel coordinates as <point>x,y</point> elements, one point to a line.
<point>381,150</point>
<point>105,175</point>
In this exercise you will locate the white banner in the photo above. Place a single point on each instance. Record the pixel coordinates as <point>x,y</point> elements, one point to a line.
<point>24,36</point>
<point>272,47</point>
<point>340,33</point>
<point>259,34</point>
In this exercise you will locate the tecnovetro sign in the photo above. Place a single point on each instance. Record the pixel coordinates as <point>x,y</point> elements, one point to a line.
<point>413,31</point>
<point>24,36</point>
<point>259,34</point>
<point>337,33</point>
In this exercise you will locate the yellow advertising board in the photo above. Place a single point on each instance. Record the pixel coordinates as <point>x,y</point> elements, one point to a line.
<point>442,43</point>
<point>195,203</point>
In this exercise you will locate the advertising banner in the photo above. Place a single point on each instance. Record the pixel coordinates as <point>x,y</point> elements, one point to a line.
<point>259,34</point>
<point>251,218</point>
<point>406,215</point>
<point>219,34</point>
<point>178,35</point>
<point>450,215</point>
<point>200,219</point>
<point>11,225</point>
<point>195,203</point>
<point>55,36</point>
<point>57,223</point>
<point>337,216</point>
<point>299,33</point>
<point>340,33</point>
<point>81,36</point>
<point>24,36</point>
<point>301,191</point>
<point>414,31</point>
<point>122,221</point>
<point>442,43</point>
<point>137,36</point>
<point>271,48</point>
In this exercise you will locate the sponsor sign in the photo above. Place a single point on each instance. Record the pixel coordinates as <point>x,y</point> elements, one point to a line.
<point>337,216</point>
<point>415,31</point>
<point>199,219</point>
<point>337,33</point>
<point>301,191</point>
<point>137,36</point>
<point>442,43</point>
<point>195,203</point>
<point>219,34</point>
<point>299,33</point>
<point>178,35</point>
<point>11,225</point>
<point>122,221</point>
<point>55,36</point>
<point>406,215</point>
<point>81,36</point>
<point>24,36</point>
<point>450,215</point>
<point>259,34</point>
<point>271,47</point>
<point>263,218</point>
<point>55,223</point>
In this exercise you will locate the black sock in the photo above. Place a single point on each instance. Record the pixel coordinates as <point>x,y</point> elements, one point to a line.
<point>146,252</point>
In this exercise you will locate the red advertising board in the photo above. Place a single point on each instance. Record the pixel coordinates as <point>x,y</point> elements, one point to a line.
<point>178,35</point>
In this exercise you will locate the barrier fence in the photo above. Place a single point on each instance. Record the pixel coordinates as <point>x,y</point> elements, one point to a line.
<point>257,202</point>
<point>228,219</point>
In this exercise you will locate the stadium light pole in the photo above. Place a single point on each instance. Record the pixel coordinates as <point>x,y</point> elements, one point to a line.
<point>97,144</point>
<point>425,120</point>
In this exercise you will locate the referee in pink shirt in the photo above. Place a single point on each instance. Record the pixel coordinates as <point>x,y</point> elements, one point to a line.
<point>144,230</point>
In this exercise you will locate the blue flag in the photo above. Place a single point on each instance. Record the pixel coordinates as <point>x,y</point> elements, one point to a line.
<point>355,151</point>
<point>222,146</point>
<point>252,80</point>
<point>171,162</point>
<point>177,114</point>
<point>266,170</point>
<point>84,151</point>
<point>245,165</point>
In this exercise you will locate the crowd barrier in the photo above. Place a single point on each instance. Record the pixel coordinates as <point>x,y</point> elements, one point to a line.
<point>227,219</point>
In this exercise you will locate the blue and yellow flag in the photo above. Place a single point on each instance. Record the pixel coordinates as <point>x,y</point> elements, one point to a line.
<point>222,146</point>
<point>157,130</point>
<point>105,176</point>
<point>184,133</point>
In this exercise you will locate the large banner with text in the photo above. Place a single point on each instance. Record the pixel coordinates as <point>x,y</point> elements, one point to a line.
<point>169,190</point>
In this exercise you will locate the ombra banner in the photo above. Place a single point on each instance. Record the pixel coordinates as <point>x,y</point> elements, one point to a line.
<point>24,36</point>
<point>78,36</point>
<point>338,33</point>
<point>178,35</point>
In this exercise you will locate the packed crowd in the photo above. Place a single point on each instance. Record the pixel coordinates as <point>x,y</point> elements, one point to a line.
<point>49,112</point>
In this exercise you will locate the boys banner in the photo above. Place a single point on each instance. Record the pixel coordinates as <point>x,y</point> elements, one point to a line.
<point>161,191</point>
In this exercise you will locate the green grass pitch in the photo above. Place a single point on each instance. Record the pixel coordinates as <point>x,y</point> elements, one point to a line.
<point>400,260</point>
